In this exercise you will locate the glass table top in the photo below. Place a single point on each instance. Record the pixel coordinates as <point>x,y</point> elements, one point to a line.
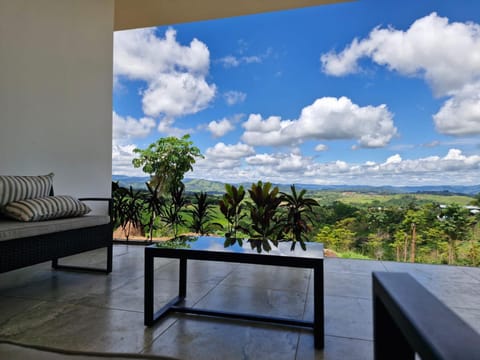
<point>219,244</point>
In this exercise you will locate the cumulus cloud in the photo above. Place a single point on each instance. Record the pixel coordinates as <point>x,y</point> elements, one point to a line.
<point>234,97</point>
<point>122,156</point>
<point>283,163</point>
<point>327,118</point>
<point>453,168</point>
<point>445,54</point>
<point>220,128</point>
<point>175,75</point>
<point>223,151</point>
<point>177,94</point>
<point>321,147</point>
<point>125,129</point>
<point>222,157</point>
<point>460,115</point>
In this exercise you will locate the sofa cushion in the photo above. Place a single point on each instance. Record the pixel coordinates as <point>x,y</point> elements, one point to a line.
<point>46,208</point>
<point>14,188</point>
<point>11,229</point>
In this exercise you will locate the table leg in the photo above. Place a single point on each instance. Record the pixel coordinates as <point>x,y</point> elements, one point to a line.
<point>148,290</point>
<point>182,289</point>
<point>318,307</point>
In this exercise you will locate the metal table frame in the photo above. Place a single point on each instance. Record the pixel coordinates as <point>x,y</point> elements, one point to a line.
<point>152,316</point>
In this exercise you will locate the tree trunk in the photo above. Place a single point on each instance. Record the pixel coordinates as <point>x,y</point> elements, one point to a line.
<point>451,251</point>
<point>414,241</point>
<point>405,248</point>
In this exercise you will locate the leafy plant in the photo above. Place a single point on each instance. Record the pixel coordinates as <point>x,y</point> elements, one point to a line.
<point>152,204</point>
<point>265,223</point>
<point>299,215</point>
<point>231,206</point>
<point>170,212</point>
<point>128,205</point>
<point>201,214</point>
<point>181,242</point>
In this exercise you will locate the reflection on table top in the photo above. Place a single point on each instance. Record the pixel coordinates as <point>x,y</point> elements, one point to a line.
<point>245,246</point>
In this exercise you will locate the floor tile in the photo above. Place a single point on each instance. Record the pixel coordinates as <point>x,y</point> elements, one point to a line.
<point>340,348</point>
<point>87,311</point>
<point>269,277</point>
<point>211,339</point>
<point>255,300</point>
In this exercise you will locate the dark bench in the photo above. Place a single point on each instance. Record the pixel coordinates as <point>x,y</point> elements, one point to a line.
<point>29,243</point>
<point>409,320</point>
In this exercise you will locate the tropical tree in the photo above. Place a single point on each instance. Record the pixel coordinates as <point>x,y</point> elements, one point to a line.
<point>476,200</point>
<point>166,161</point>
<point>231,206</point>
<point>400,245</point>
<point>298,217</point>
<point>456,224</point>
<point>436,243</point>
<point>337,238</point>
<point>374,245</point>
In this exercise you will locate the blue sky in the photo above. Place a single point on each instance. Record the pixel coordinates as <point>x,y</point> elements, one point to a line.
<point>368,92</point>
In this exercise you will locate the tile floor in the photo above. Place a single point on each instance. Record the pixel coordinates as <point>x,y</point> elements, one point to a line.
<point>83,311</point>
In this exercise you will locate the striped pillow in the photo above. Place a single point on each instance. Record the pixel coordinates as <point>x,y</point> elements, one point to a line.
<point>14,188</point>
<point>47,208</point>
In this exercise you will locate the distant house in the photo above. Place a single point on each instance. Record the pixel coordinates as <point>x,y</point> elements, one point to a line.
<point>471,208</point>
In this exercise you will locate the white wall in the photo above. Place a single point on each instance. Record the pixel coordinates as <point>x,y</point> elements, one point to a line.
<point>56,92</point>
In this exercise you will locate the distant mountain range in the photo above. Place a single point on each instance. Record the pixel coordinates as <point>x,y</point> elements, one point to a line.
<point>217,187</point>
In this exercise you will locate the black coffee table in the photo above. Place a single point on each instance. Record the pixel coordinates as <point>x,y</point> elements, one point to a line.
<point>212,249</point>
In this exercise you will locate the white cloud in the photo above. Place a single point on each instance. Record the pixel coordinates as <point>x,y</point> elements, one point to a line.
<point>394,159</point>
<point>327,118</point>
<point>262,159</point>
<point>267,132</point>
<point>223,151</point>
<point>177,94</point>
<point>446,55</point>
<point>230,61</point>
<point>175,75</point>
<point>321,147</point>
<point>128,128</point>
<point>222,157</point>
<point>453,168</point>
<point>283,163</point>
<point>166,127</point>
<point>122,156</point>
<point>220,128</point>
<point>460,115</point>
<point>234,97</point>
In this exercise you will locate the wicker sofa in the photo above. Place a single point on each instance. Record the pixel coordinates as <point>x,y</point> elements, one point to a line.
<point>27,243</point>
